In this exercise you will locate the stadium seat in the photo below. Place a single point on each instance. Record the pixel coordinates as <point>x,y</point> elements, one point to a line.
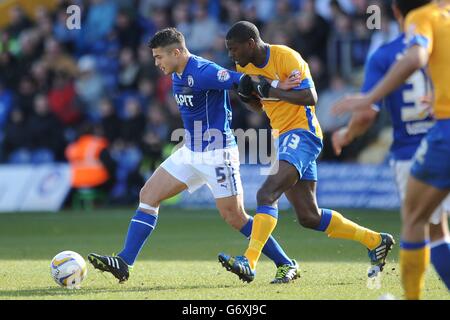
<point>86,198</point>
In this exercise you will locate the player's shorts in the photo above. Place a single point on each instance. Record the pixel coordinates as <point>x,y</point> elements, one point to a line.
<point>218,169</point>
<point>402,169</point>
<point>301,149</point>
<point>431,161</point>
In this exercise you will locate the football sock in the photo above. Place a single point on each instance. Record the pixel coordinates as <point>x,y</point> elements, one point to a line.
<point>337,226</point>
<point>414,260</point>
<point>440,257</point>
<point>140,228</point>
<point>264,222</point>
<point>271,249</point>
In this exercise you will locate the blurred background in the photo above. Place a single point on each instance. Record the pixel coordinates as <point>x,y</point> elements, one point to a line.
<point>92,97</point>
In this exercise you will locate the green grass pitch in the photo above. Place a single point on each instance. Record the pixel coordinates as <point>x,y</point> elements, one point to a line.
<point>179,260</point>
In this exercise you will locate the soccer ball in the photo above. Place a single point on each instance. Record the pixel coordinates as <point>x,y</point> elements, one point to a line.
<point>68,269</point>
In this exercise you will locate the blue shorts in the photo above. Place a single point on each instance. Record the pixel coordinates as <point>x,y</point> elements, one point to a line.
<point>301,149</point>
<point>432,159</point>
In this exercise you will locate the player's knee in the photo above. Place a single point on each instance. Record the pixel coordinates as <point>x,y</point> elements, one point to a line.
<point>236,218</point>
<point>147,197</point>
<point>413,215</point>
<point>310,221</point>
<point>266,197</point>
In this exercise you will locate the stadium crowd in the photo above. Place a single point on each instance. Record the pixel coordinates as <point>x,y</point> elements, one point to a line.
<point>57,84</point>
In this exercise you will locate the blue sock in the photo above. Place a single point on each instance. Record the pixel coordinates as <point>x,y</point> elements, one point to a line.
<point>325,220</point>
<point>440,257</point>
<point>271,249</point>
<point>140,228</point>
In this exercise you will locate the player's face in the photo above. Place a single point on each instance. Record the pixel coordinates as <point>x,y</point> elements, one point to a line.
<point>239,52</point>
<point>165,59</point>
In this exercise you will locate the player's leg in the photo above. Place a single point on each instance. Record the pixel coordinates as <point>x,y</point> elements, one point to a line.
<point>266,216</point>
<point>295,148</point>
<point>428,185</point>
<point>264,221</point>
<point>172,177</point>
<point>420,202</point>
<point>221,172</point>
<point>302,196</point>
<point>159,187</point>
<point>440,244</point>
<point>232,211</point>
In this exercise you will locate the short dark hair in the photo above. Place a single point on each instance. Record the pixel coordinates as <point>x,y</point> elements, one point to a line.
<point>243,31</point>
<point>405,6</point>
<point>167,37</point>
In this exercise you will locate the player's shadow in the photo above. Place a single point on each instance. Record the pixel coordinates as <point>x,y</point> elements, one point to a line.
<point>59,292</point>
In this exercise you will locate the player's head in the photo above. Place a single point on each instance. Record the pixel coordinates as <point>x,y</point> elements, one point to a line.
<point>401,8</point>
<point>241,41</point>
<point>168,46</point>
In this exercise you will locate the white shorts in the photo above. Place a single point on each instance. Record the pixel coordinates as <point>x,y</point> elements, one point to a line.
<point>401,170</point>
<point>218,169</point>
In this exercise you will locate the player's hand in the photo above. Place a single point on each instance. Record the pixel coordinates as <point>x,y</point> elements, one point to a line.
<point>339,140</point>
<point>291,82</point>
<point>351,103</point>
<point>245,88</point>
<point>426,103</point>
<point>261,86</point>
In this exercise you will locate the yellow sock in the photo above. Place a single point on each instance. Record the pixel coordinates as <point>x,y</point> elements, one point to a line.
<point>413,264</point>
<point>343,228</point>
<point>263,225</point>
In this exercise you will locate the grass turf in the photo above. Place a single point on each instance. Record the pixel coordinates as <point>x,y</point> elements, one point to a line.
<point>179,260</point>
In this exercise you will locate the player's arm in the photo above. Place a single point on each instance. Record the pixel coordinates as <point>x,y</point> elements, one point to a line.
<point>360,122</point>
<point>362,119</point>
<point>416,57</point>
<point>252,100</point>
<point>303,94</point>
<point>303,97</point>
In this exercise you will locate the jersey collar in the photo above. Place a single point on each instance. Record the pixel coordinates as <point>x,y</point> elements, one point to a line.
<point>267,57</point>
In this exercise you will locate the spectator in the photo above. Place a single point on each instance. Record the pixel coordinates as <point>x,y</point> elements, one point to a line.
<point>129,69</point>
<point>100,18</point>
<point>198,40</point>
<point>311,34</point>
<point>127,30</point>
<point>58,61</point>
<point>338,89</point>
<point>110,122</point>
<point>85,155</point>
<point>62,100</point>
<point>25,95</point>
<point>18,21</point>
<point>9,71</point>
<point>16,141</point>
<point>133,126</point>
<point>46,132</point>
<point>6,103</point>
<point>89,86</point>
<point>147,68</point>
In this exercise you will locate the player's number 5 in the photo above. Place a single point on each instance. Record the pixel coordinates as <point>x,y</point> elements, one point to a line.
<point>221,177</point>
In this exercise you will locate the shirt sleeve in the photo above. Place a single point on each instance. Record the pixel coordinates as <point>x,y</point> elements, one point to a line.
<point>214,77</point>
<point>375,70</point>
<point>419,30</point>
<point>294,63</point>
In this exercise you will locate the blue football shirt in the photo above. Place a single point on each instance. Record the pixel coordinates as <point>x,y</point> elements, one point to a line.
<point>410,120</point>
<point>204,103</point>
